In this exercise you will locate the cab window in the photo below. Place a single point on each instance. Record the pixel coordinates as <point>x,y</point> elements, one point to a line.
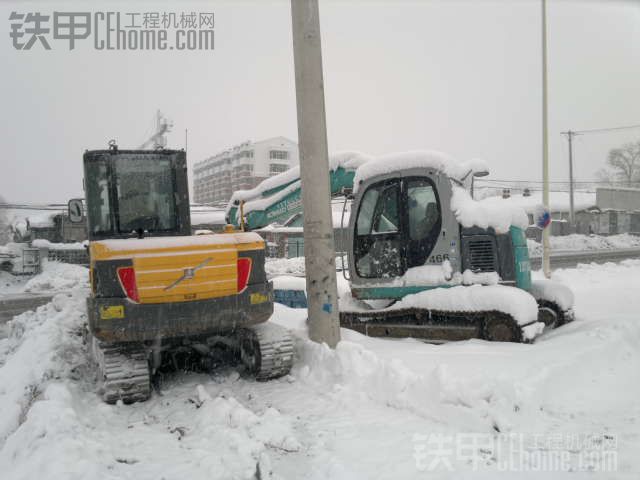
<point>378,241</point>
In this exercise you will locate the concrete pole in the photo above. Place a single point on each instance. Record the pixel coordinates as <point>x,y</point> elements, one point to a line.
<point>572,213</point>
<point>546,247</point>
<point>322,293</point>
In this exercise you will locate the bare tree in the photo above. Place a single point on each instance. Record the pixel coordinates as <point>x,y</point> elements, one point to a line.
<point>623,165</point>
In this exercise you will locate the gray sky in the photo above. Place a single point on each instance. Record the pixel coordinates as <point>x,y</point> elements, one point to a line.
<point>458,76</point>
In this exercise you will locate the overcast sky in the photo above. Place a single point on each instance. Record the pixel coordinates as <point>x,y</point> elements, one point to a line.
<point>458,76</point>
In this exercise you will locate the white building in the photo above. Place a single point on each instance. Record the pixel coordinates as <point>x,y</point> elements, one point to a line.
<point>241,167</point>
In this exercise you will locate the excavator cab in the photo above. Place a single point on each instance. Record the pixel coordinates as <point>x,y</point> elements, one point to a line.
<point>139,193</point>
<point>398,225</point>
<point>398,222</point>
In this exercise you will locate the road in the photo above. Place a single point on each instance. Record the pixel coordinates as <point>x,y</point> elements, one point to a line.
<point>571,258</point>
<point>15,304</point>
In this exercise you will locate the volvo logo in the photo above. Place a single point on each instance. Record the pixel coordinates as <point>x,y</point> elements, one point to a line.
<point>188,274</point>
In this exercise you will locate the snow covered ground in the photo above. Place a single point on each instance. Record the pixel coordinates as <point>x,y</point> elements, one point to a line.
<point>576,242</point>
<point>371,409</point>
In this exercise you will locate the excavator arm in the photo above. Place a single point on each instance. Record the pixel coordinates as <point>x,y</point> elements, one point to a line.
<point>278,198</point>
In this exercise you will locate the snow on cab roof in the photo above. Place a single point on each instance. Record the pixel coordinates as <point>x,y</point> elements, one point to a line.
<point>468,212</point>
<point>427,159</point>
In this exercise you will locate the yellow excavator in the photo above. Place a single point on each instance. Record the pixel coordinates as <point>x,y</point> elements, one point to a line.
<point>156,289</point>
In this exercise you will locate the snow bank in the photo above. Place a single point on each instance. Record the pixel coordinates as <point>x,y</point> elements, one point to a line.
<point>210,216</point>
<point>238,438</point>
<point>53,423</point>
<point>43,220</point>
<point>288,282</point>
<point>552,291</point>
<point>577,242</point>
<point>517,303</point>
<point>58,277</point>
<point>354,377</point>
<point>42,345</point>
<point>284,266</point>
<point>42,243</point>
<point>428,275</point>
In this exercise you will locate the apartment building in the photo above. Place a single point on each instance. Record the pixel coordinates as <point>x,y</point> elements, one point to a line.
<point>241,167</point>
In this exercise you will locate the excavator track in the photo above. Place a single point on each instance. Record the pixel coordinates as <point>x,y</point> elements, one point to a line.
<point>123,372</point>
<point>266,350</point>
<point>434,326</point>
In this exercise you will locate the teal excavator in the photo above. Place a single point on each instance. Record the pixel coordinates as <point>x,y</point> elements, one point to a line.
<point>425,260</point>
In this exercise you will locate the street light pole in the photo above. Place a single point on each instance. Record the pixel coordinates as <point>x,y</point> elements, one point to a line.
<point>572,213</point>
<point>546,250</point>
<point>322,292</point>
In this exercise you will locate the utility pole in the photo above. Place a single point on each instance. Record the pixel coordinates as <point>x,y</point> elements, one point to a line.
<point>320,257</point>
<point>572,217</point>
<point>546,248</point>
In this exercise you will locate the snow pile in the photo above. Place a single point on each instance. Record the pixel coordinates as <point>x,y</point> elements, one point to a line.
<point>483,214</point>
<point>43,219</point>
<point>58,277</point>
<point>517,303</point>
<point>10,283</point>
<point>555,292</point>
<point>42,345</point>
<point>288,282</point>
<point>354,376</point>
<point>439,275</point>
<point>42,243</point>
<point>284,266</point>
<point>428,275</point>
<point>578,242</point>
<point>240,437</point>
<point>203,215</point>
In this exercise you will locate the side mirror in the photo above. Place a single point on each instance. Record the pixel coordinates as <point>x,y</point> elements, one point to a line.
<point>75,210</point>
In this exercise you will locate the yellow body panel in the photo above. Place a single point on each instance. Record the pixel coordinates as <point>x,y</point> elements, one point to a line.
<point>179,269</point>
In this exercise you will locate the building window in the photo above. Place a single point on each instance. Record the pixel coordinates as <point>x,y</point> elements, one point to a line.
<point>278,155</point>
<point>276,168</point>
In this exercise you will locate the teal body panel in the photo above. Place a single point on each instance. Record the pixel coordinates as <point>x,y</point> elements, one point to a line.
<point>283,209</point>
<point>522,263</point>
<point>522,268</point>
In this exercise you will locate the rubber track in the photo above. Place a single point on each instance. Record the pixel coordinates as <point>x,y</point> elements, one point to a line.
<point>276,351</point>
<point>125,374</point>
<point>420,322</point>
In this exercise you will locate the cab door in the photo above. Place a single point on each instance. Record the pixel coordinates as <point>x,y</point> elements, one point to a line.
<point>378,237</point>
<point>398,224</point>
<point>423,215</point>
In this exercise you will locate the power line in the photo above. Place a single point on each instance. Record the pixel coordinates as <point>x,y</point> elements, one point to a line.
<point>601,130</point>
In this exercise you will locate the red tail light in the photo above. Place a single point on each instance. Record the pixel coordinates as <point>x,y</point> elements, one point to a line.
<point>127,276</point>
<point>244,270</point>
